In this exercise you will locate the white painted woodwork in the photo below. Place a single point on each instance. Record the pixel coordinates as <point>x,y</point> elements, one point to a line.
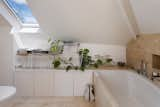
<point>24,82</point>
<point>44,83</point>
<point>6,55</point>
<point>81,80</point>
<point>51,82</point>
<point>63,83</point>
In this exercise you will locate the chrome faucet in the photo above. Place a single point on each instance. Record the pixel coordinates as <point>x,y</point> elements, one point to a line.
<point>143,69</point>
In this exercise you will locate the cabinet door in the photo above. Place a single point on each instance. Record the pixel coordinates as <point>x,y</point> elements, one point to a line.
<point>81,79</point>
<point>24,82</point>
<point>44,83</point>
<point>63,83</point>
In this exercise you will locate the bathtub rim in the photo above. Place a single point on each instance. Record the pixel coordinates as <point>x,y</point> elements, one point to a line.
<point>7,97</point>
<point>112,98</point>
<point>132,72</point>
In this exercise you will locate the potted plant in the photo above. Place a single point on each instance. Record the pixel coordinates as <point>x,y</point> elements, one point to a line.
<point>56,46</point>
<point>85,59</point>
<point>56,63</point>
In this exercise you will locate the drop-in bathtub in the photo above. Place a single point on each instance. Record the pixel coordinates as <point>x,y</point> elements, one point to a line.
<point>6,92</point>
<point>122,88</point>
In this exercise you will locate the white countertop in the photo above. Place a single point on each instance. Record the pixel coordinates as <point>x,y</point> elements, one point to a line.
<point>6,92</point>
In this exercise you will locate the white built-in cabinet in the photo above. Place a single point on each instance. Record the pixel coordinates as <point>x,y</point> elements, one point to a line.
<point>63,84</point>
<point>81,79</point>
<point>41,82</point>
<point>24,82</point>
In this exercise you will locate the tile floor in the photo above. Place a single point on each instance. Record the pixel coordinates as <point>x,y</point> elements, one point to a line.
<point>47,102</point>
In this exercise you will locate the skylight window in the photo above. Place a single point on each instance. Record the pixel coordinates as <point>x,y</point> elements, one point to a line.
<point>22,12</point>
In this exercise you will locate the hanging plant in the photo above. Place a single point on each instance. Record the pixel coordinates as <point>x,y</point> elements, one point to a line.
<point>56,63</point>
<point>85,58</point>
<point>108,60</point>
<point>86,61</point>
<point>69,67</point>
<point>56,46</point>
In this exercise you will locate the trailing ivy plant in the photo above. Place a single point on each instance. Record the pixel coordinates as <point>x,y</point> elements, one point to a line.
<point>97,63</point>
<point>69,64</point>
<point>85,61</point>
<point>56,62</point>
<point>85,58</point>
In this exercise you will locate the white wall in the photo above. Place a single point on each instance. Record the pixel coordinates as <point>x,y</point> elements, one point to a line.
<point>117,52</point>
<point>88,21</point>
<point>6,46</point>
<point>32,41</point>
<point>6,56</point>
<point>147,15</point>
<point>41,42</point>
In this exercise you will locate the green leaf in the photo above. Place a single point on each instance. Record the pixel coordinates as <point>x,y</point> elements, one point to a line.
<point>109,60</point>
<point>99,62</point>
<point>49,39</point>
<point>96,65</point>
<point>68,68</point>
<point>56,63</point>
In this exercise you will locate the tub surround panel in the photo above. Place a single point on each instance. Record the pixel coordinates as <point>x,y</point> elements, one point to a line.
<point>102,95</point>
<point>125,89</point>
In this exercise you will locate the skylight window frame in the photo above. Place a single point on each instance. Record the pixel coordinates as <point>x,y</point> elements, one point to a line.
<point>28,25</point>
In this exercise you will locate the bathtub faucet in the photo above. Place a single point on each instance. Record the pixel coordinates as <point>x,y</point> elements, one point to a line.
<point>143,69</point>
<point>144,73</point>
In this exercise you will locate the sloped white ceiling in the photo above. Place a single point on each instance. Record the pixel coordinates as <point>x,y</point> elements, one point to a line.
<point>3,21</point>
<point>95,21</point>
<point>147,13</point>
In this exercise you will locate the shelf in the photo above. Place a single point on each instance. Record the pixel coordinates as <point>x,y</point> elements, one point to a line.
<point>39,53</point>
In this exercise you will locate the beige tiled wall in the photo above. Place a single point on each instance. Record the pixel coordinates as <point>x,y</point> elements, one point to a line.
<point>142,48</point>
